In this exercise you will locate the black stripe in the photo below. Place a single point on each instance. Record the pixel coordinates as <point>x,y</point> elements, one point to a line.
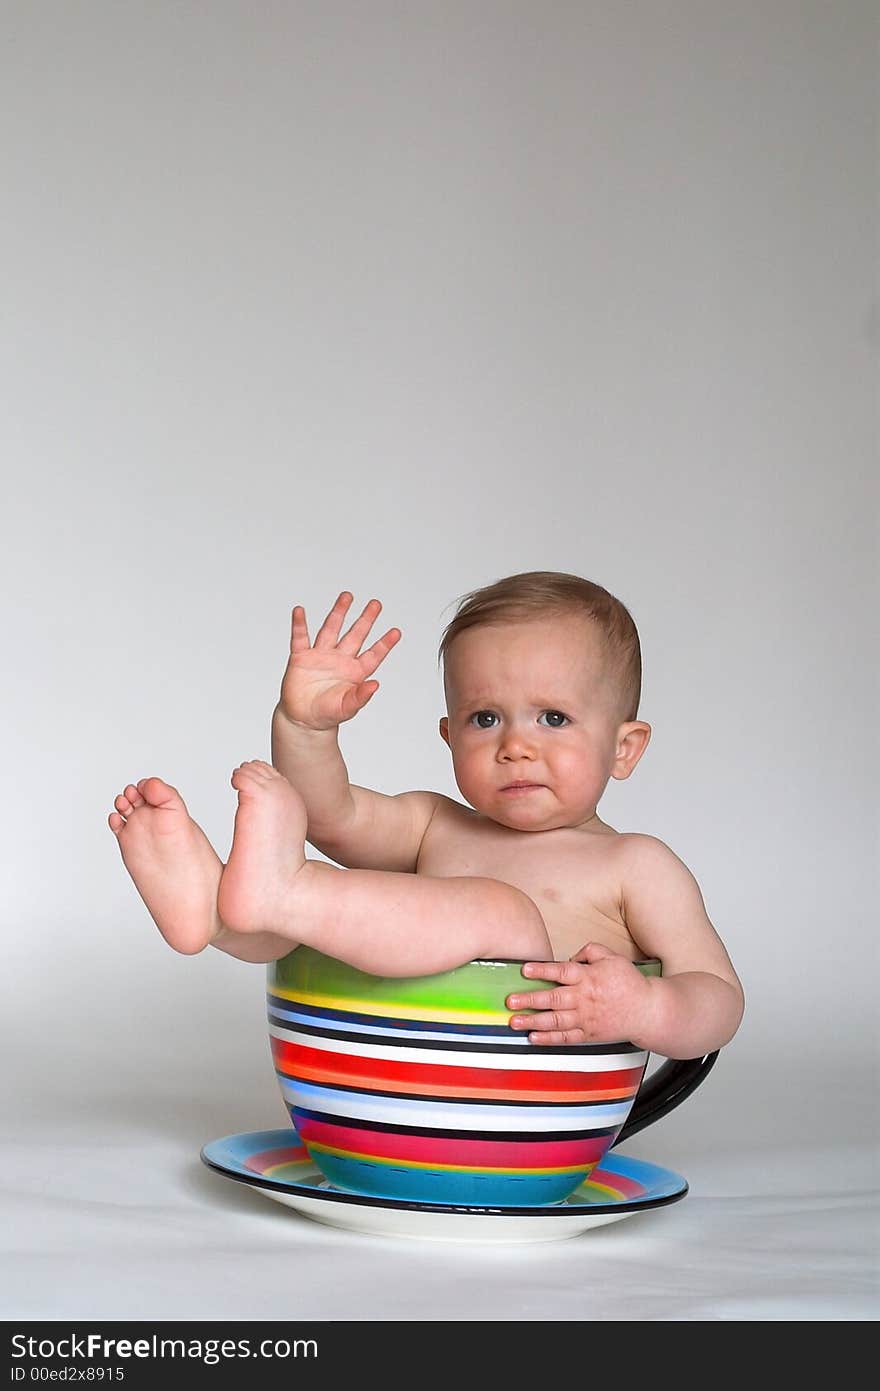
<point>452,1100</point>
<point>496,1046</point>
<point>530,1137</point>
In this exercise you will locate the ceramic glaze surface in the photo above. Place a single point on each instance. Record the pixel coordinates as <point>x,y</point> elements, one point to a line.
<point>418,1089</point>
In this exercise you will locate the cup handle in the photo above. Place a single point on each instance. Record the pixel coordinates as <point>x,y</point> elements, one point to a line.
<point>665,1089</point>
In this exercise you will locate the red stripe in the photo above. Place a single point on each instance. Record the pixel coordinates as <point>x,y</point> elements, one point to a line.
<point>303,1073</point>
<point>346,1070</point>
<point>471,1154</point>
<point>627,1187</point>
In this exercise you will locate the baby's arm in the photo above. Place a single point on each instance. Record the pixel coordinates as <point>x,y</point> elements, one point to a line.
<point>698,1003</point>
<point>325,684</point>
<point>694,1008</point>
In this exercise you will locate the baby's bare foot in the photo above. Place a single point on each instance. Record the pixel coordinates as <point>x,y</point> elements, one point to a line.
<point>261,883</point>
<point>175,869</point>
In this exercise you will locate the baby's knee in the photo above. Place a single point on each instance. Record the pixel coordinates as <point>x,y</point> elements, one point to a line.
<point>524,933</point>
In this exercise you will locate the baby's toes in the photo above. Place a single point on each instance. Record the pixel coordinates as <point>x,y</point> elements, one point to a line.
<point>134,795</point>
<point>115,822</point>
<point>264,771</point>
<point>251,774</point>
<point>123,804</point>
<point>159,793</point>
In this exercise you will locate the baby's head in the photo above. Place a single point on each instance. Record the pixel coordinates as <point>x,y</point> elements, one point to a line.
<point>542,673</point>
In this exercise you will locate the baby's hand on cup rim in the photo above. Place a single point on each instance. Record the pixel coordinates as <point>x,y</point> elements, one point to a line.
<point>600,997</point>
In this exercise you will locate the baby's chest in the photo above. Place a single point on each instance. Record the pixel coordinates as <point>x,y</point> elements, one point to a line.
<point>573,884</point>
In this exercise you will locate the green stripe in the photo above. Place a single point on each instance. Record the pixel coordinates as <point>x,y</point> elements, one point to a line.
<point>477,986</point>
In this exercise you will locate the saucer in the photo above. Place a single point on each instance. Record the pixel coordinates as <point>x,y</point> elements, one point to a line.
<point>277,1164</point>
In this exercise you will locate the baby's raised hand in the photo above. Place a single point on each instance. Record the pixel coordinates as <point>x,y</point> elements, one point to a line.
<point>600,997</point>
<point>327,682</point>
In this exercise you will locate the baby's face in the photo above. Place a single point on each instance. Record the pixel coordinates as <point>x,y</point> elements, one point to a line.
<point>531,721</point>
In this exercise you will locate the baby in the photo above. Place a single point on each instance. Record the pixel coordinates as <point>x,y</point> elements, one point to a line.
<point>542,674</point>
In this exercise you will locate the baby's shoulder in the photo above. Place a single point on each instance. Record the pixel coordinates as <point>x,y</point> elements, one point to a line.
<point>447,809</point>
<point>638,842</point>
<point>449,828</point>
<point>655,881</point>
<point>449,817</point>
<point>641,855</point>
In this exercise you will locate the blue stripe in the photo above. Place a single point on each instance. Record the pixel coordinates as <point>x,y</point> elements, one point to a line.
<point>308,1026</point>
<point>594,1117</point>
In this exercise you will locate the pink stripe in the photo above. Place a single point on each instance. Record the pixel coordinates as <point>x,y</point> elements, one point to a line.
<point>471,1154</point>
<point>270,1159</point>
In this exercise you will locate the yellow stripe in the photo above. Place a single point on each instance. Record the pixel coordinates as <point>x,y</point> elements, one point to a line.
<point>354,1006</point>
<point>604,1188</point>
<point>293,1167</point>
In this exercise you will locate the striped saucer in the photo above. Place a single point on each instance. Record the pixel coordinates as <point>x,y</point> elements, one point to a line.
<point>277,1164</point>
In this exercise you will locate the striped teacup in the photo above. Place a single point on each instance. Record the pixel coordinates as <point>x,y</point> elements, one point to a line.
<point>417,1088</point>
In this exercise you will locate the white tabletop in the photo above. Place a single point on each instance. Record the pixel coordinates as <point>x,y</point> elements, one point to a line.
<point>110,1214</point>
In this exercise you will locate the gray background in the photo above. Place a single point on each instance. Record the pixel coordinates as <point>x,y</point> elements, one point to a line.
<point>402,298</point>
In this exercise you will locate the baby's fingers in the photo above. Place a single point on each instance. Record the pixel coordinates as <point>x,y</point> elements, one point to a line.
<point>552,1026</point>
<point>299,633</point>
<point>558,1037</point>
<point>566,972</point>
<point>539,999</point>
<point>356,697</point>
<point>370,659</point>
<point>350,642</point>
<point>328,633</point>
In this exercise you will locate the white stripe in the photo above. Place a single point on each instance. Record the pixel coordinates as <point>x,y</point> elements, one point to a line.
<point>441,1115</point>
<point>534,1060</point>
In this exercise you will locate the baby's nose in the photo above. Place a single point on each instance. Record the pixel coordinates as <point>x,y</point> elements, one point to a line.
<point>516,743</point>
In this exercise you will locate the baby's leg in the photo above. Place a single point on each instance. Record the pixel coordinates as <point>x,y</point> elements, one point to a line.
<point>381,922</point>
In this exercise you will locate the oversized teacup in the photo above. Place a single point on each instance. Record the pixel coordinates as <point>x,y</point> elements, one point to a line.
<point>418,1089</point>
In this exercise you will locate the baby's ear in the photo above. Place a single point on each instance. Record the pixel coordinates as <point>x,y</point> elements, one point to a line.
<point>444,729</point>
<point>632,740</point>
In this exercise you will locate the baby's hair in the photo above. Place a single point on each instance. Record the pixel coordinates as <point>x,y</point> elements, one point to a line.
<point>540,592</point>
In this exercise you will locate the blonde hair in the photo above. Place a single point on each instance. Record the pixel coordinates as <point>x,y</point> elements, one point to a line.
<point>539,592</point>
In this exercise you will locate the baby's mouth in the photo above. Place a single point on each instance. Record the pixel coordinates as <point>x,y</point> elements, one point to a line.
<point>515,787</point>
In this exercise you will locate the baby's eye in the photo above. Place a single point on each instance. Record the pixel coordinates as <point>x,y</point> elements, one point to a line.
<point>554,719</point>
<point>484,719</point>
